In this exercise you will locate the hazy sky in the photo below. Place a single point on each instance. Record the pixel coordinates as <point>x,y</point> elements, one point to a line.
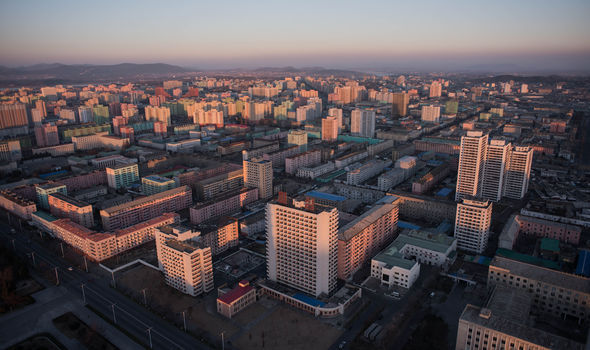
<point>343,34</point>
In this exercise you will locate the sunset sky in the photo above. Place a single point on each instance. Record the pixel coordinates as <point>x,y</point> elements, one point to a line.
<point>341,34</point>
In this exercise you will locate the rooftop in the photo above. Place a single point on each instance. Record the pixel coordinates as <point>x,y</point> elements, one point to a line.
<point>147,199</point>
<point>68,199</point>
<point>239,291</point>
<point>182,246</point>
<point>543,274</point>
<point>158,179</point>
<point>354,227</point>
<point>326,196</point>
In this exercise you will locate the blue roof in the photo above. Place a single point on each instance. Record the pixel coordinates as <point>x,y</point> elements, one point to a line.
<point>435,162</point>
<point>583,267</point>
<point>405,224</point>
<point>55,173</point>
<point>326,196</point>
<point>308,300</point>
<point>444,192</point>
<point>444,227</point>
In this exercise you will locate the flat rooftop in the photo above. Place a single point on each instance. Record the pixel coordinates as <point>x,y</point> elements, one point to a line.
<point>69,200</point>
<point>147,199</point>
<point>543,274</point>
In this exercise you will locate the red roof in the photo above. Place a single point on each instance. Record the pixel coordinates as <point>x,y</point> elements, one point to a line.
<point>235,294</point>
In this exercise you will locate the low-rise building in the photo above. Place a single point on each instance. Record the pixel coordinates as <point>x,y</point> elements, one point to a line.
<point>153,184</point>
<point>230,302</point>
<point>223,205</point>
<point>17,205</point>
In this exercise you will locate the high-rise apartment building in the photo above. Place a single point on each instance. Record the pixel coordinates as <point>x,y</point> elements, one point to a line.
<point>400,104</point>
<point>302,245</point>
<point>430,114</point>
<point>498,153</point>
<point>336,112</point>
<point>258,174</point>
<point>471,164</point>
<point>185,262</point>
<point>122,175</point>
<point>85,114</point>
<point>435,89</point>
<point>155,113</point>
<point>362,122</point>
<point>46,135</point>
<point>472,225</point>
<point>516,182</point>
<point>330,129</point>
<point>13,115</point>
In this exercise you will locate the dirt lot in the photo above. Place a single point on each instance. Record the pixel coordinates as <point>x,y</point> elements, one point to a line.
<point>288,328</point>
<point>72,327</point>
<point>266,323</point>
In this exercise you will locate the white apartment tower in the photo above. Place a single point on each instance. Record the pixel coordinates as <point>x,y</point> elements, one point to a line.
<point>362,122</point>
<point>185,262</point>
<point>472,225</point>
<point>298,137</point>
<point>302,246</point>
<point>258,174</point>
<point>495,166</point>
<point>435,89</point>
<point>430,114</point>
<point>471,164</point>
<point>516,182</point>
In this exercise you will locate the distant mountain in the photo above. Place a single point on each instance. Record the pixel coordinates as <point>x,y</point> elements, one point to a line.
<point>83,73</point>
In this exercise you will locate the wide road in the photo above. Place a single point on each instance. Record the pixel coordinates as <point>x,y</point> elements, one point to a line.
<point>130,316</point>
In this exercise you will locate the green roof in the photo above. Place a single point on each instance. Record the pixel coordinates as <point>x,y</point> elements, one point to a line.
<point>510,254</point>
<point>45,215</point>
<point>550,244</point>
<point>392,255</point>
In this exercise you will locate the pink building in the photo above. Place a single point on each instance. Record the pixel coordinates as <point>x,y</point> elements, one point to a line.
<point>64,206</point>
<point>118,122</point>
<point>128,132</point>
<point>16,205</point>
<point>278,157</point>
<point>364,237</point>
<point>145,208</point>
<point>220,235</point>
<point>223,205</point>
<point>91,179</point>
<point>46,135</point>
<point>307,159</point>
<point>549,229</point>
<point>160,129</point>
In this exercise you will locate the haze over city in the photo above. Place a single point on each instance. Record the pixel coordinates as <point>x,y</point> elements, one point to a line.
<point>504,35</point>
<point>318,175</point>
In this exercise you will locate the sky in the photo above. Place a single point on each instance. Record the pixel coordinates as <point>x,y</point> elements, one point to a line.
<point>369,34</point>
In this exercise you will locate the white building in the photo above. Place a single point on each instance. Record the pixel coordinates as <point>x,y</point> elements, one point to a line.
<point>314,172</point>
<point>471,164</point>
<point>185,262</point>
<point>495,169</point>
<point>430,114</point>
<point>366,171</point>
<point>362,122</point>
<point>258,174</point>
<point>472,225</point>
<point>516,182</point>
<point>302,246</point>
<point>336,112</point>
<point>122,175</point>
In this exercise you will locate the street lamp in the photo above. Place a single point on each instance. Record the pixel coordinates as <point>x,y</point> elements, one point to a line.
<point>150,336</point>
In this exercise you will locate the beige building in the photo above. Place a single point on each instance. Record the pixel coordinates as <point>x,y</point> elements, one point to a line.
<point>518,173</point>
<point>297,138</point>
<point>258,174</point>
<point>472,225</point>
<point>471,164</point>
<point>64,206</point>
<point>16,205</point>
<point>185,262</point>
<point>505,323</point>
<point>365,236</point>
<point>330,128</point>
<point>302,246</point>
<point>553,293</point>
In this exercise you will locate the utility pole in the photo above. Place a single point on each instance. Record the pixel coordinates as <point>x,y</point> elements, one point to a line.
<point>83,294</point>
<point>85,263</point>
<point>13,245</point>
<point>222,341</point>
<point>114,317</point>
<point>144,298</point>
<point>184,320</point>
<point>33,256</point>
<point>150,336</point>
<point>56,277</point>
<point>62,249</point>
<point>113,276</point>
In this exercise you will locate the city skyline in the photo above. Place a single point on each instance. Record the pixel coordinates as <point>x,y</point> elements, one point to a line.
<point>376,35</point>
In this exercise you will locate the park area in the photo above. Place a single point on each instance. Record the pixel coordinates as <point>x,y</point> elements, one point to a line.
<point>266,324</point>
